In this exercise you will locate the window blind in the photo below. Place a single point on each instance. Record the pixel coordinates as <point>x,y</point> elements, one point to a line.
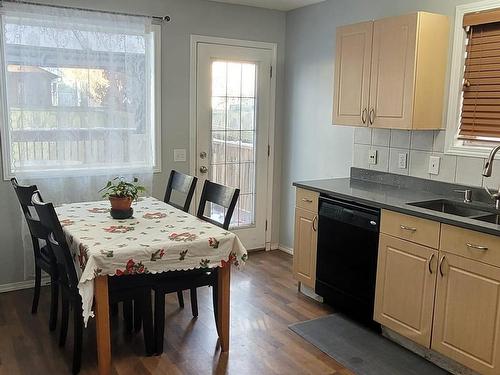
<point>480,117</point>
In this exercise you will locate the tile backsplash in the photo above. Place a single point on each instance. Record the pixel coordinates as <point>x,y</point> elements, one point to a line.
<point>419,146</point>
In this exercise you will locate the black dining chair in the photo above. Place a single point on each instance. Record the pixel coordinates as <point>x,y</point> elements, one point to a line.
<point>223,196</point>
<point>182,183</point>
<point>121,288</point>
<point>226,197</point>
<point>186,185</point>
<point>43,255</point>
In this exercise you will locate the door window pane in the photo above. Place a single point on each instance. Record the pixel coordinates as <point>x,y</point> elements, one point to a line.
<point>233,136</point>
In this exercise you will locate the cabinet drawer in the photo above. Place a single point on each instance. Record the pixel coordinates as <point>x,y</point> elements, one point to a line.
<point>415,229</point>
<point>470,244</point>
<point>307,199</point>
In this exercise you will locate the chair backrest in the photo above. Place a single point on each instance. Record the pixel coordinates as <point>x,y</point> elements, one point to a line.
<point>183,183</point>
<point>57,241</point>
<point>37,230</point>
<point>221,195</point>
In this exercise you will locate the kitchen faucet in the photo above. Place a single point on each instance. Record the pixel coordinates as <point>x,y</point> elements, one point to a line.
<point>488,167</point>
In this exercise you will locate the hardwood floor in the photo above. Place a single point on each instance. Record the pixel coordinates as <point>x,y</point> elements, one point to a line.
<point>264,301</point>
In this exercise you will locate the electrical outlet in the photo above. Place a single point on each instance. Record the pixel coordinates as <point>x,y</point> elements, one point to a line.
<point>180,154</point>
<point>403,160</point>
<point>434,164</point>
<point>372,157</point>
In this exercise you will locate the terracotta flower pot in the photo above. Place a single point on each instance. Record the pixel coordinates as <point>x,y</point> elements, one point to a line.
<point>120,203</point>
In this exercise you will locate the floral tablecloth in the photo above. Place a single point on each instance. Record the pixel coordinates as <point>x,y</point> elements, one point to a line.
<point>157,238</point>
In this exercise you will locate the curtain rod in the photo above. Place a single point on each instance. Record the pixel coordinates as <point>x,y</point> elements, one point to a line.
<point>158,18</point>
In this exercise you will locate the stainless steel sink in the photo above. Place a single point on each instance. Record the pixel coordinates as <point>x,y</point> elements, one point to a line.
<point>492,218</point>
<point>451,207</point>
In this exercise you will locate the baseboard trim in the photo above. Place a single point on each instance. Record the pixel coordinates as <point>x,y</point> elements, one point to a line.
<point>286,249</point>
<point>27,284</point>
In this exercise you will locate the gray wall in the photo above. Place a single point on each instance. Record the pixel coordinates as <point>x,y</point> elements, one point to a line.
<point>313,148</point>
<point>188,17</point>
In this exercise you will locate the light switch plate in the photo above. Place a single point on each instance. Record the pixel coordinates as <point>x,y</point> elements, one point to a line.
<point>180,154</point>
<point>403,160</point>
<point>434,164</point>
<point>372,157</point>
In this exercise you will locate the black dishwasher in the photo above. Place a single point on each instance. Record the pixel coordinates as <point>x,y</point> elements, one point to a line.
<point>348,236</point>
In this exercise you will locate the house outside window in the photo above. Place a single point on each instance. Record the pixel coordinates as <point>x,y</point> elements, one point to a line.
<point>80,94</point>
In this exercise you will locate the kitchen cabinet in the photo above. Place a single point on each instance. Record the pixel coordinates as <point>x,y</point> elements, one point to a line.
<point>467,313</point>
<point>352,74</point>
<point>445,298</point>
<point>406,280</point>
<point>306,237</point>
<point>406,75</point>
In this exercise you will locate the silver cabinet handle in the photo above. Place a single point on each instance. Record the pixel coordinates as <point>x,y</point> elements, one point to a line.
<point>315,220</point>
<point>477,247</point>
<point>363,115</point>
<point>441,265</point>
<point>430,262</point>
<point>411,229</point>
<point>371,118</point>
<point>307,200</point>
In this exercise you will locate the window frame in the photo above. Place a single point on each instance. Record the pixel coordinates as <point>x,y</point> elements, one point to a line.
<point>453,145</point>
<point>156,76</point>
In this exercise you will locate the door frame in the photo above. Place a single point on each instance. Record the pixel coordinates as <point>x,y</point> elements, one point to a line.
<point>273,47</point>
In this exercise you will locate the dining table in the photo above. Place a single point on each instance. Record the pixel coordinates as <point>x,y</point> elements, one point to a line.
<point>157,238</point>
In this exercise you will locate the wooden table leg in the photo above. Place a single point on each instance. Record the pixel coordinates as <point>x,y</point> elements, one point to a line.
<point>223,307</point>
<point>103,333</point>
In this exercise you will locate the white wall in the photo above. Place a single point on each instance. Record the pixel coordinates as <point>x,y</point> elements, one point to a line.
<point>313,148</point>
<point>188,17</point>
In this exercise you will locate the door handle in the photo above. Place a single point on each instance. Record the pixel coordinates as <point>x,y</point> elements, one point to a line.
<point>203,169</point>
<point>363,116</point>
<point>430,263</point>
<point>314,226</point>
<point>411,229</point>
<point>441,265</point>
<point>371,118</point>
<point>203,155</point>
<point>477,247</point>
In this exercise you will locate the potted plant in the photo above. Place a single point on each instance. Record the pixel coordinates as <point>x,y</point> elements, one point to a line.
<point>121,193</point>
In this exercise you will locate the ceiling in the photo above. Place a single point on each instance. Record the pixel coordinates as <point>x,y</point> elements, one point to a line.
<point>284,5</point>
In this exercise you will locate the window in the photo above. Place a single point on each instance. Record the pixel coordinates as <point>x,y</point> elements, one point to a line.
<point>79,92</point>
<point>474,106</point>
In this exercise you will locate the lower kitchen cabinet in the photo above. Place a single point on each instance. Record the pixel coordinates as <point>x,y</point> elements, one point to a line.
<point>405,289</point>
<point>305,244</point>
<point>467,313</point>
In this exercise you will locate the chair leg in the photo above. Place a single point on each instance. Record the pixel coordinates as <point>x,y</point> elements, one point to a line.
<point>77,343</point>
<point>64,320</point>
<point>215,296</point>
<point>128,315</point>
<point>159,321</point>
<point>138,314</point>
<point>54,300</point>
<point>147,322</point>
<point>194,302</point>
<point>180,297</point>
<point>36,295</point>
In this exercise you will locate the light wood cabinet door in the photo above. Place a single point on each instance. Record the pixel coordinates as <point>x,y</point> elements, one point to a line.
<point>392,72</point>
<point>405,289</point>
<point>467,313</point>
<point>352,74</point>
<point>305,244</point>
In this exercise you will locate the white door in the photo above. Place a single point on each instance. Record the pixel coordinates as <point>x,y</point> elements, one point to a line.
<point>232,123</point>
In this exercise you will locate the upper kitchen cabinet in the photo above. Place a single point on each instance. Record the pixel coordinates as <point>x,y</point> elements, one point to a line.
<point>397,80</point>
<point>352,74</point>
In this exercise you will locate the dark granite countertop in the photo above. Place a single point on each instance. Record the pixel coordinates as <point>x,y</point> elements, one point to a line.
<point>396,198</point>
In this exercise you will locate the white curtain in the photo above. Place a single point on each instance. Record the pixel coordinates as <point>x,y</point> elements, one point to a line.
<point>79,101</point>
